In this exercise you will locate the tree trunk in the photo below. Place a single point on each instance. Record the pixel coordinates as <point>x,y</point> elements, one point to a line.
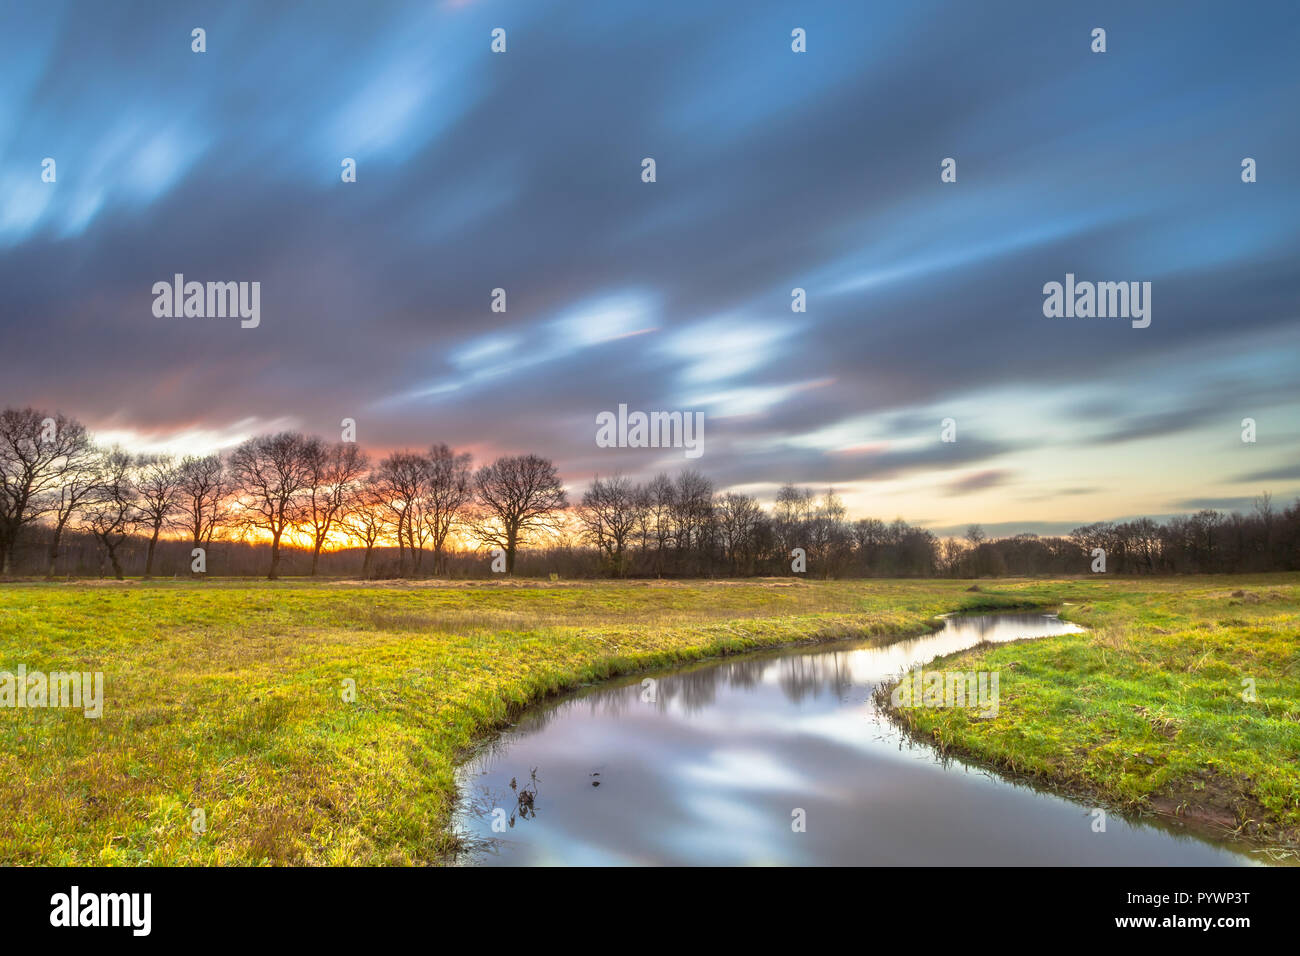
<point>275,558</point>
<point>401,547</point>
<point>415,558</point>
<point>117,565</point>
<point>54,550</point>
<point>148,561</point>
<point>512,544</point>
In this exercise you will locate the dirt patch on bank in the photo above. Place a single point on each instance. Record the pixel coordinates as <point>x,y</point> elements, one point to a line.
<point>1220,803</point>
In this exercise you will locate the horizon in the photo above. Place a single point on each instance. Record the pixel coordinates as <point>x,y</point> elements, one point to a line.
<point>958,531</point>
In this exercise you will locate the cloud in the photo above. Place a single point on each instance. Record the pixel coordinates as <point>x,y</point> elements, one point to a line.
<point>978,481</point>
<point>1227,503</point>
<point>522,171</point>
<point>1284,473</point>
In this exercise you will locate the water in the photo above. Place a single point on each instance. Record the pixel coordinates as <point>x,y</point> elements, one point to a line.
<point>715,768</point>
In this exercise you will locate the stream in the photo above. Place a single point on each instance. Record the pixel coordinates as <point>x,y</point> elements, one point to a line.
<point>781,757</point>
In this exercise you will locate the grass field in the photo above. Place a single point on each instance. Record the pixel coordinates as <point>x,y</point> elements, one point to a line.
<point>226,696</point>
<point>1150,708</point>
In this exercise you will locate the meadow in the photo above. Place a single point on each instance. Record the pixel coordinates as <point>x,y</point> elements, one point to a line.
<point>230,697</point>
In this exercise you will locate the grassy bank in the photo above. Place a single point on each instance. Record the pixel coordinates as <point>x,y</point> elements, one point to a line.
<point>1148,710</point>
<point>225,696</point>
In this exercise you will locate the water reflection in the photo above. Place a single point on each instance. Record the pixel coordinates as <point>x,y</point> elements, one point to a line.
<point>710,763</point>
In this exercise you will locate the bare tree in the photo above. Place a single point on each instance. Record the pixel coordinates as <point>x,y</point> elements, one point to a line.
<point>82,473</point>
<point>792,516</point>
<point>611,511</point>
<point>364,518</point>
<point>35,449</point>
<point>693,512</point>
<point>401,482</point>
<point>829,537</point>
<point>417,527</point>
<point>334,474</point>
<point>869,539</point>
<point>158,487</point>
<point>1264,514</point>
<point>1144,543</point>
<point>272,473</point>
<point>658,517</point>
<point>449,488</point>
<point>204,487</point>
<point>953,554</point>
<point>739,517</point>
<point>517,496</point>
<point>110,512</point>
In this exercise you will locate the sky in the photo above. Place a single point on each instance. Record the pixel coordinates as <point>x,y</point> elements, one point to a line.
<point>774,170</point>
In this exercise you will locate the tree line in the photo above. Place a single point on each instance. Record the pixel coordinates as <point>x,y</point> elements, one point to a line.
<point>281,490</point>
<point>327,505</point>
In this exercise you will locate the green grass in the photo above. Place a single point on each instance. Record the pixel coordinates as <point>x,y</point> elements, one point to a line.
<point>1146,710</point>
<point>225,696</point>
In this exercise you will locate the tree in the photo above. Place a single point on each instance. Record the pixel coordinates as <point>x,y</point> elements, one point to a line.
<point>334,473</point>
<point>693,513</point>
<point>658,517</point>
<point>158,495</point>
<point>611,510</point>
<point>1264,515</point>
<point>976,537</point>
<point>517,496</point>
<point>401,482</point>
<point>1144,537</point>
<point>364,518</point>
<point>82,474</point>
<point>35,450</point>
<point>869,539</point>
<point>828,534</point>
<point>203,486</point>
<point>110,511</point>
<point>272,473</point>
<point>448,490</point>
<point>792,516</point>
<point>953,554</point>
<point>739,518</point>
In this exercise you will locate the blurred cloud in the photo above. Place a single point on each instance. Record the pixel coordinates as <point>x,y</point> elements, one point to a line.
<point>775,170</point>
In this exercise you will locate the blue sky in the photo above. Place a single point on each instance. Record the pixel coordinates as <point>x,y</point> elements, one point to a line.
<point>775,170</point>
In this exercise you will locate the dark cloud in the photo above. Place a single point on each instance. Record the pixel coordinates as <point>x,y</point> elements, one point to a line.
<point>775,170</point>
